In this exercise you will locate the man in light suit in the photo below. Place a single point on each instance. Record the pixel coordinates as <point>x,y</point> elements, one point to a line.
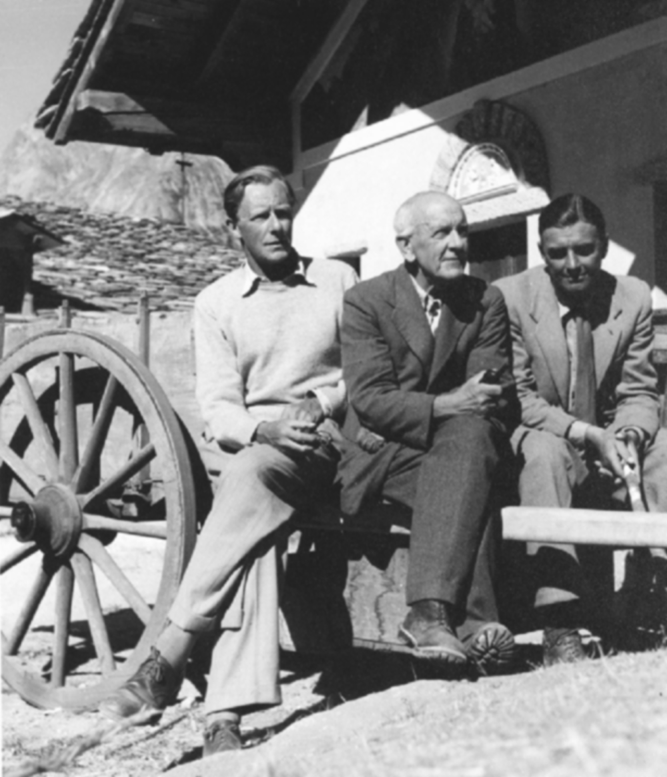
<point>417,344</point>
<point>581,344</point>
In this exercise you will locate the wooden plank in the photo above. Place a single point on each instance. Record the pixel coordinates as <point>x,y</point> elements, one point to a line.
<point>330,46</point>
<point>221,48</point>
<point>621,529</point>
<point>177,9</point>
<point>67,106</point>
<point>171,25</point>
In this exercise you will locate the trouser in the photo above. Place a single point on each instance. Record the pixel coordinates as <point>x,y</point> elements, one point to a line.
<point>554,474</point>
<point>453,542</point>
<point>232,580</point>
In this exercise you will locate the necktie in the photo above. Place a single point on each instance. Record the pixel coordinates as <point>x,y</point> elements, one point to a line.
<point>583,405</point>
<point>432,306</point>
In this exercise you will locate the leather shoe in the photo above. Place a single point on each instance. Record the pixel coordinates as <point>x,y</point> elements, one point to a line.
<point>221,736</point>
<point>427,629</point>
<point>152,688</point>
<point>491,648</point>
<point>561,646</point>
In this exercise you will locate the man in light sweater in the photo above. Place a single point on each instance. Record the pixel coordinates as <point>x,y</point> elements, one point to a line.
<point>269,384</point>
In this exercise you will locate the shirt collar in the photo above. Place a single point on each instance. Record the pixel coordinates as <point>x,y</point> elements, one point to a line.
<point>421,292</point>
<point>252,281</point>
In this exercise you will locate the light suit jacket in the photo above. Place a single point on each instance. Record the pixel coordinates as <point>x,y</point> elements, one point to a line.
<point>622,340</point>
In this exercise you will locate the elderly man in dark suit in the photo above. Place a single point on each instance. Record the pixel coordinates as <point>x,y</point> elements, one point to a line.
<point>582,343</point>
<point>426,361</point>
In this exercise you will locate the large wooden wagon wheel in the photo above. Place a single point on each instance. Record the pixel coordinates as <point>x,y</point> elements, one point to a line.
<point>93,462</point>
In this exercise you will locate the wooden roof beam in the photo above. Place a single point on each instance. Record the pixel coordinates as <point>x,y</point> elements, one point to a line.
<point>330,46</point>
<point>116,111</point>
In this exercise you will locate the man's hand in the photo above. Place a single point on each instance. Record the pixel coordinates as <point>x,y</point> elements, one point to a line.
<point>307,410</point>
<point>288,434</point>
<point>369,441</point>
<point>472,398</point>
<point>614,450</point>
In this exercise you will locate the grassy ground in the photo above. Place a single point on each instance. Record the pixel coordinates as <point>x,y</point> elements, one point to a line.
<point>601,717</point>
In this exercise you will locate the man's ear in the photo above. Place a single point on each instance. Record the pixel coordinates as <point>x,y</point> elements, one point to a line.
<point>604,244</point>
<point>539,245</point>
<point>233,227</point>
<point>405,247</point>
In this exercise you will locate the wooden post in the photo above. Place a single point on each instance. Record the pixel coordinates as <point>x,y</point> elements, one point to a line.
<point>65,321</point>
<point>144,314</point>
<point>2,331</point>
<point>141,437</point>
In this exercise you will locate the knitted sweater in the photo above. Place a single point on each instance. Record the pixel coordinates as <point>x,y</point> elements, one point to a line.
<point>261,345</point>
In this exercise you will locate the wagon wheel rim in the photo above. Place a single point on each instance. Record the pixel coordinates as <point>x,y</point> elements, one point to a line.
<point>68,508</point>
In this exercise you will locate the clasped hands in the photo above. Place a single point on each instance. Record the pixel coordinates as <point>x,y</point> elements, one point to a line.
<point>614,450</point>
<point>474,397</point>
<point>296,429</point>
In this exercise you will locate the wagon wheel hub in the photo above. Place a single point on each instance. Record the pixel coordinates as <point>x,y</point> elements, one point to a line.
<point>53,520</point>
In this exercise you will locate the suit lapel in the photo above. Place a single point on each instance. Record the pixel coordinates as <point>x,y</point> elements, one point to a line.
<point>447,336</point>
<point>410,320</point>
<point>607,333</point>
<point>550,335</point>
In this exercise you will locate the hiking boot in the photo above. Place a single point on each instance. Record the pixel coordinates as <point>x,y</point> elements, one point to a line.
<point>152,688</point>
<point>427,629</point>
<point>491,648</point>
<point>221,736</point>
<point>562,646</point>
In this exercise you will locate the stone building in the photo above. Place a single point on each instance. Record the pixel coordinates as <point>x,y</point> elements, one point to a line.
<point>21,237</point>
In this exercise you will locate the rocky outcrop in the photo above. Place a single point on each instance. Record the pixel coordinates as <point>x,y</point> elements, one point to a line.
<point>172,187</point>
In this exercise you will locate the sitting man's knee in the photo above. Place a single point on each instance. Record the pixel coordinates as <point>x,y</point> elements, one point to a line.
<point>254,462</point>
<point>545,451</point>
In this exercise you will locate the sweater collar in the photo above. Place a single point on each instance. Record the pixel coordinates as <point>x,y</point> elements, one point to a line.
<point>252,281</point>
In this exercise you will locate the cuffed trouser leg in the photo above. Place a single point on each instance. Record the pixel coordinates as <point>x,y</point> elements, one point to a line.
<point>245,660</point>
<point>232,577</point>
<point>450,510</point>
<point>551,471</point>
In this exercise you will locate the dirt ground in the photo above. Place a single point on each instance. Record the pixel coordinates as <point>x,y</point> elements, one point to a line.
<point>601,717</point>
<point>376,715</point>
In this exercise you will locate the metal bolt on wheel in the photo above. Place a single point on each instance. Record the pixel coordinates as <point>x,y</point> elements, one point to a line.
<point>93,464</point>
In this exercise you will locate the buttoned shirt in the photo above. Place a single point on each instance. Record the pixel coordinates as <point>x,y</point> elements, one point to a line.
<point>431,305</point>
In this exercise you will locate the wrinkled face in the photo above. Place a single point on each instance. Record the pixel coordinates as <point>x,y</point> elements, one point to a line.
<point>439,242</point>
<point>264,225</point>
<point>573,256</point>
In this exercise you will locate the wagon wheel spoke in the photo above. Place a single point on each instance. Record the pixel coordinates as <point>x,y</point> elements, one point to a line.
<point>17,556</point>
<point>67,428</point>
<point>93,522</point>
<point>122,475</point>
<point>97,553</point>
<point>40,430</point>
<point>27,476</point>
<point>85,577</point>
<point>98,436</point>
<point>32,602</point>
<point>64,591</point>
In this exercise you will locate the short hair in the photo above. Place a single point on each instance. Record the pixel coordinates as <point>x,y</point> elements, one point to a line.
<point>568,209</point>
<point>235,189</point>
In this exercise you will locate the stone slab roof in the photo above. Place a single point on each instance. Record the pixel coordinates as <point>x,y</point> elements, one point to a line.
<point>108,261</point>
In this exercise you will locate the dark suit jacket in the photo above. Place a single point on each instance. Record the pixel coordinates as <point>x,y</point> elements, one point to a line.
<point>393,367</point>
<point>622,340</point>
